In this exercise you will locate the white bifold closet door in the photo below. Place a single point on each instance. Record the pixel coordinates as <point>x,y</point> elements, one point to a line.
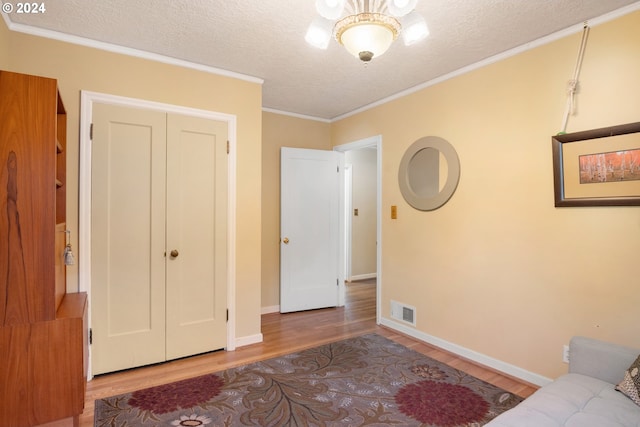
<point>158,236</point>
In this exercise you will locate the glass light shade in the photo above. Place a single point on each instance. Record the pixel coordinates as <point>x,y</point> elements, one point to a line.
<point>330,9</point>
<point>367,37</point>
<point>319,33</point>
<point>414,28</point>
<point>400,8</point>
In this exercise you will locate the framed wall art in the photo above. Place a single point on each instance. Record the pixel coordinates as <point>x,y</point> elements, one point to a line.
<point>599,167</point>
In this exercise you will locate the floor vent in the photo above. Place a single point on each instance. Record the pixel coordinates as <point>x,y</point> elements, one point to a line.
<point>403,312</point>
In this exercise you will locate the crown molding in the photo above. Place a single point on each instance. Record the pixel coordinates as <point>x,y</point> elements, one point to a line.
<point>82,41</point>
<point>299,116</point>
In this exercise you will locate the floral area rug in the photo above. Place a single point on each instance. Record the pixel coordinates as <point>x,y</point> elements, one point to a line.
<point>363,381</point>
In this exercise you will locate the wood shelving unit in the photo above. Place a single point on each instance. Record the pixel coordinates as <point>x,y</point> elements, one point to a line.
<point>43,339</point>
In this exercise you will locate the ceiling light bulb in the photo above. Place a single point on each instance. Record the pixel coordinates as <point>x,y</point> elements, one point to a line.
<point>400,8</point>
<point>319,33</point>
<point>414,28</point>
<point>330,9</point>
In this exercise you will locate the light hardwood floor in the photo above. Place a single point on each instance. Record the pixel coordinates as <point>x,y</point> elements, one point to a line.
<point>288,333</point>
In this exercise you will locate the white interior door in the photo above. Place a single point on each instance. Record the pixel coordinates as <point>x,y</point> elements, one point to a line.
<point>128,237</point>
<point>197,232</point>
<point>310,184</point>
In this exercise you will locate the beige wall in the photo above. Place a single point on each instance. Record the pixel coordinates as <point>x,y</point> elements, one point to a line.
<point>280,131</point>
<point>499,270</point>
<point>363,226</point>
<point>4,46</point>
<point>80,68</point>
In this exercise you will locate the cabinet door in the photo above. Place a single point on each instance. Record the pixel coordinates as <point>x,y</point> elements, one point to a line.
<point>128,176</point>
<point>197,231</point>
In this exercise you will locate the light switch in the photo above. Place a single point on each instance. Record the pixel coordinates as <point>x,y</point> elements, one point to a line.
<point>355,212</point>
<point>394,212</point>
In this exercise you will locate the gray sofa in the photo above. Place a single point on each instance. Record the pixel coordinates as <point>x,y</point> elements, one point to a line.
<point>586,396</point>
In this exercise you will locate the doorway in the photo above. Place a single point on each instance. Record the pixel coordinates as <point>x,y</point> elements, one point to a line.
<point>368,148</point>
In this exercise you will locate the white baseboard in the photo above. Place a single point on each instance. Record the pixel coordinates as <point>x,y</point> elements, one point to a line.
<point>251,339</point>
<point>271,309</point>
<point>472,355</point>
<point>362,277</point>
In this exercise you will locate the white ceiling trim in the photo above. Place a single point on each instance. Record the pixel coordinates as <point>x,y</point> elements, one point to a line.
<point>49,34</point>
<point>299,116</point>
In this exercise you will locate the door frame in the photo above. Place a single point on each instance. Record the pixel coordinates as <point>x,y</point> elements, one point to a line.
<point>374,141</point>
<point>87,99</point>
<point>348,221</point>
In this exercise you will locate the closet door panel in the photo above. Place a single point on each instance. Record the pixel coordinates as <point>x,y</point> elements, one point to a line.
<point>197,231</point>
<point>128,237</point>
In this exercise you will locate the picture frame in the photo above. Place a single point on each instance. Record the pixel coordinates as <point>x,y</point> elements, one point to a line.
<point>598,167</point>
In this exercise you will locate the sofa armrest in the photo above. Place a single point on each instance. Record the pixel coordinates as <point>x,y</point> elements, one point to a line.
<point>605,361</point>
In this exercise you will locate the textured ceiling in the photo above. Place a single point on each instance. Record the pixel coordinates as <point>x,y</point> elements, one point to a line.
<point>265,39</point>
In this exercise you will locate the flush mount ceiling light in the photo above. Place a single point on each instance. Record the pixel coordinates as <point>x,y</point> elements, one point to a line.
<point>366,28</point>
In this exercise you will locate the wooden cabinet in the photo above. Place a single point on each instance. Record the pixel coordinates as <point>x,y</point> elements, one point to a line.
<point>43,348</point>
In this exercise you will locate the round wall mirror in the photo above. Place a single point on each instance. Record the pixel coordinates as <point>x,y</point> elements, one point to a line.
<point>429,173</point>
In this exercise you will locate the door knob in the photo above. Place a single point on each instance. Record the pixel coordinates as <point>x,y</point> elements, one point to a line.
<point>175,253</point>
<point>285,240</point>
